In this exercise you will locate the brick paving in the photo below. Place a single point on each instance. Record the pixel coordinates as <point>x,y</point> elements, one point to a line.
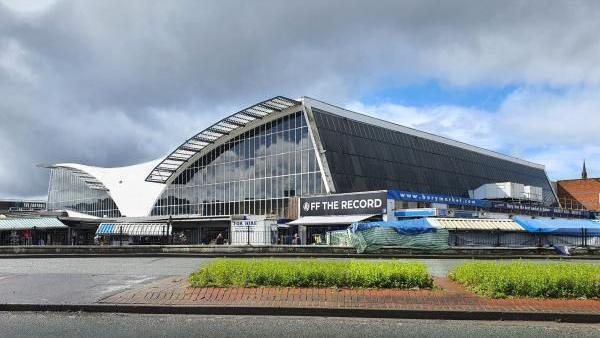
<point>448,296</point>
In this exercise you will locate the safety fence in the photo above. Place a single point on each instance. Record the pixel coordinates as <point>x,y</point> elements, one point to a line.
<point>494,238</point>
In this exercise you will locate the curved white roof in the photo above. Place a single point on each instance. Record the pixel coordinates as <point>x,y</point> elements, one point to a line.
<point>132,194</point>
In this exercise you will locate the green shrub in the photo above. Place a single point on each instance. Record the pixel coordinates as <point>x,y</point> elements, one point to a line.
<point>311,273</point>
<point>521,279</point>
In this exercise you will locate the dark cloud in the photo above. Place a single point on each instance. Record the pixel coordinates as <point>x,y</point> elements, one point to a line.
<point>118,82</point>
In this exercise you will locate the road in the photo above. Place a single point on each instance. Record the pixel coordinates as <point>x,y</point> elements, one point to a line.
<point>87,280</point>
<point>82,280</point>
<point>135,325</point>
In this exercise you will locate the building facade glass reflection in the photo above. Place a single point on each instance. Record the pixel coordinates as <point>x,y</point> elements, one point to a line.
<point>253,173</point>
<point>69,191</point>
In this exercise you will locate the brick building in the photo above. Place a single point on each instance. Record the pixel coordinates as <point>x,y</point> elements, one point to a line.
<point>580,192</point>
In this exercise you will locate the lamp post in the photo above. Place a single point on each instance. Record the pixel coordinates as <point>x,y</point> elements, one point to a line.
<point>248,234</point>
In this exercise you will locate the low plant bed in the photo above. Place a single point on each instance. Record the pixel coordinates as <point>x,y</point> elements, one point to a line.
<point>312,273</point>
<point>537,280</point>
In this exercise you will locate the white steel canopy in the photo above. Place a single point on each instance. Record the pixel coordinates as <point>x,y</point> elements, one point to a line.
<point>169,166</point>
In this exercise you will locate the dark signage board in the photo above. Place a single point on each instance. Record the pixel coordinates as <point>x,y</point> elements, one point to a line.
<point>364,203</point>
<point>22,205</point>
<point>549,211</point>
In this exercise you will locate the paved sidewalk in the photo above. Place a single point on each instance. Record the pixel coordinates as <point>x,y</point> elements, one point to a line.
<point>448,297</point>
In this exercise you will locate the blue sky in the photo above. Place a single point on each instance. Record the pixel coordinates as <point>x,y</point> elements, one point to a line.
<point>433,93</point>
<point>113,83</point>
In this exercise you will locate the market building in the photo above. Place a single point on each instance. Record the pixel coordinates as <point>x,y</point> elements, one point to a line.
<point>21,224</point>
<point>258,169</point>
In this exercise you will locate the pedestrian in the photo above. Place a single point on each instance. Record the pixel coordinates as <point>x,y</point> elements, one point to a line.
<point>296,240</point>
<point>220,239</point>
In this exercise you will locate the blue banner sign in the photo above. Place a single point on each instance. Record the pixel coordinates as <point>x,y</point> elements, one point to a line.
<point>485,204</point>
<point>431,198</point>
<point>421,212</point>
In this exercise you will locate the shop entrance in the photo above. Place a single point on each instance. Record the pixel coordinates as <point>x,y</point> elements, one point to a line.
<point>316,234</point>
<point>200,233</point>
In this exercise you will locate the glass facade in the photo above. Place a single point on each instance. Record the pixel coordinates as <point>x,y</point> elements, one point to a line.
<point>253,173</point>
<point>362,157</point>
<point>68,191</point>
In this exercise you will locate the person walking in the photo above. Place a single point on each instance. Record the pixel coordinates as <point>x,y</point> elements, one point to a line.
<point>220,239</point>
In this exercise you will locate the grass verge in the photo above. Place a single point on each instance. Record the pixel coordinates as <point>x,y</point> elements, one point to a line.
<point>311,273</point>
<point>538,280</point>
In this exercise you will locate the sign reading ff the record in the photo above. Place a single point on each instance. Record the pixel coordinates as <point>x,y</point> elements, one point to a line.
<point>366,203</point>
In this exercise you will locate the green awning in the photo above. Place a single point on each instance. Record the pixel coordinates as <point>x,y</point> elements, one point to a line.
<point>29,223</point>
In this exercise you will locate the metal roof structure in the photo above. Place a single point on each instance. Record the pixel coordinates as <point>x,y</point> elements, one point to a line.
<point>30,223</point>
<point>174,161</point>
<point>332,109</point>
<point>89,180</point>
<point>475,224</point>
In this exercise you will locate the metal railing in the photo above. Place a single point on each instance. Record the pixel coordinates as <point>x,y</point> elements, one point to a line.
<point>522,239</point>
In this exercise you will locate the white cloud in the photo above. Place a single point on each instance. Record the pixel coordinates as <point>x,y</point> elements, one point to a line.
<point>14,63</point>
<point>28,7</point>
<point>569,118</point>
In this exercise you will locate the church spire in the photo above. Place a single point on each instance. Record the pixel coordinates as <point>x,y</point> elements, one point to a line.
<point>584,172</point>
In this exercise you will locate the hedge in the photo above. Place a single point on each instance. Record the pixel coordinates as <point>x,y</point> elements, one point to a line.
<point>521,279</point>
<point>311,273</point>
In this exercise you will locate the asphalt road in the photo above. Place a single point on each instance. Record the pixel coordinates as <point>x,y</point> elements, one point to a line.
<point>82,280</point>
<point>87,280</point>
<point>27,324</point>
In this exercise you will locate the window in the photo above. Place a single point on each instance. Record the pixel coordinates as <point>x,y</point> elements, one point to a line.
<point>275,160</point>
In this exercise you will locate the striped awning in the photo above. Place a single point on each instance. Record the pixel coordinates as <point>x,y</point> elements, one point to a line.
<point>475,224</point>
<point>31,223</point>
<point>134,229</point>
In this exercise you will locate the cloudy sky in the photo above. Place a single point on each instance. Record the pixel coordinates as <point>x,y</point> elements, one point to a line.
<point>112,83</point>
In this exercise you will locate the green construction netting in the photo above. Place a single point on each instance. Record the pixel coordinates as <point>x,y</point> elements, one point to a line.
<point>339,238</point>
